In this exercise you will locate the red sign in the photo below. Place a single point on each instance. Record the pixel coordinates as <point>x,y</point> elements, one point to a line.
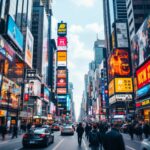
<point>138,104</point>
<point>61,91</point>
<point>143,75</point>
<point>62,41</point>
<point>61,73</point>
<point>26,97</point>
<point>61,82</point>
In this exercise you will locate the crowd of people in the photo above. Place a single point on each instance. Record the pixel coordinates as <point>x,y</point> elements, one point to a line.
<point>108,137</point>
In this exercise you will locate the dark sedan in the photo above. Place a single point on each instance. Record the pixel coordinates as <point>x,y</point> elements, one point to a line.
<point>55,127</point>
<point>39,136</point>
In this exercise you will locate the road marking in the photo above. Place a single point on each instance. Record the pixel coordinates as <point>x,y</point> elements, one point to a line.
<point>58,145</point>
<point>4,142</point>
<point>131,148</point>
<point>85,145</point>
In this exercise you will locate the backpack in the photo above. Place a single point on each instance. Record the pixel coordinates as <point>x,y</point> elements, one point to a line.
<point>94,139</point>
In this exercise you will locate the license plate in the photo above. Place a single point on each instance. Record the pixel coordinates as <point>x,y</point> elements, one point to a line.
<point>32,142</point>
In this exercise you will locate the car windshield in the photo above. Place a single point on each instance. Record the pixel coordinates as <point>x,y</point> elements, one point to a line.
<point>39,131</point>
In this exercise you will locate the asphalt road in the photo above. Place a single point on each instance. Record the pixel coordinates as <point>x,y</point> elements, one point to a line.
<point>64,143</point>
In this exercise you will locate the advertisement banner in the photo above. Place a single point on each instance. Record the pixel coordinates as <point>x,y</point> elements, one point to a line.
<point>10,93</point>
<point>111,88</point>
<point>61,90</point>
<point>61,74</point>
<point>29,48</point>
<point>14,33</point>
<point>123,85</point>
<point>39,107</point>
<point>143,75</point>
<point>61,82</point>
<point>62,56</point>
<point>119,64</point>
<point>6,52</point>
<point>140,45</point>
<point>46,94</point>
<point>62,29</point>
<point>122,35</point>
<point>62,41</point>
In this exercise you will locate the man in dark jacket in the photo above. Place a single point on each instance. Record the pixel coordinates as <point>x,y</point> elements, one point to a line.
<point>14,131</point>
<point>94,138</point>
<point>113,140</point>
<point>146,130</point>
<point>80,131</point>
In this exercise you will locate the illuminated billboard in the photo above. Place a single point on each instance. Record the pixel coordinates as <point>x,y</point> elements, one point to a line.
<point>61,58</point>
<point>62,41</point>
<point>29,48</point>
<point>61,90</point>
<point>61,82</point>
<point>111,88</point>
<point>143,75</point>
<point>122,35</point>
<point>123,85</point>
<point>61,73</point>
<point>140,45</point>
<point>62,29</point>
<point>119,64</point>
<point>14,33</point>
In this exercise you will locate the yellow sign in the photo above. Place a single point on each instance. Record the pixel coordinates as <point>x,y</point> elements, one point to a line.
<point>61,56</point>
<point>111,88</point>
<point>123,85</point>
<point>13,121</point>
<point>62,29</point>
<point>2,113</point>
<point>146,102</point>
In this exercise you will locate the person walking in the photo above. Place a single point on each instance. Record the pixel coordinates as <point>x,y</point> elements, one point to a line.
<point>3,131</point>
<point>146,130</point>
<point>14,131</point>
<point>88,128</point>
<point>80,131</point>
<point>113,140</point>
<point>131,130</point>
<point>94,138</point>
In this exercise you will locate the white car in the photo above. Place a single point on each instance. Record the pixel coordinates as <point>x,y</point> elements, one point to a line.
<point>67,129</point>
<point>145,145</point>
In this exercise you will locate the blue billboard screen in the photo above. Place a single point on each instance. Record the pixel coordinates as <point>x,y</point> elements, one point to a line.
<point>14,33</point>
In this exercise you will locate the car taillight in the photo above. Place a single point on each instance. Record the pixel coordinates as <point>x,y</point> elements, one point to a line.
<point>42,135</point>
<point>25,136</point>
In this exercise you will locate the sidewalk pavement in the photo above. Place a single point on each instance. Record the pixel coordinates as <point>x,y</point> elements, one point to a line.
<point>9,137</point>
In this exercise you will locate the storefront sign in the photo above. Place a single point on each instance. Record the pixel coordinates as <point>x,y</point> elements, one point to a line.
<point>111,88</point>
<point>143,75</point>
<point>146,102</point>
<point>14,33</point>
<point>2,113</point>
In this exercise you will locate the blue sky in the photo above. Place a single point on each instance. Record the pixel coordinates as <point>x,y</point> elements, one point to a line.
<point>85,21</point>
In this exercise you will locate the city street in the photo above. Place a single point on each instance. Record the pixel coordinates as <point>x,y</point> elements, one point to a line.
<point>64,143</point>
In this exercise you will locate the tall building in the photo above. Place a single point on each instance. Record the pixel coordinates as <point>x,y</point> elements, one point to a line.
<point>114,10</point>
<point>99,51</point>
<point>137,11</point>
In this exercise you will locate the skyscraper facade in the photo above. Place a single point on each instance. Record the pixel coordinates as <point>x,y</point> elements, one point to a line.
<point>137,11</point>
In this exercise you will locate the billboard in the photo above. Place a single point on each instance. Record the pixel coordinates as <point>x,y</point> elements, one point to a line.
<point>62,29</point>
<point>9,86</point>
<point>14,33</point>
<point>29,48</point>
<point>61,73</point>
<point>61,82</point>
<point>61,58</point>
<point>140,45</point>
<point>123,85</point>
<point>61,91</point>
<point>142,73</point>
<point>62,42</point>
<point>6,52</point>
<point>38,107</point>
<point>119,64</point>
<point>111,88</point>
<point>122,35</point>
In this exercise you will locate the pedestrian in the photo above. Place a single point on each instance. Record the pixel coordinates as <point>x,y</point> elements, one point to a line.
<point>88,128</point>
<point>3,131</point>
<point>131,130</point>
<point>94,138</point>
<point>14,131</point>
<point>113,140</point>
<point>146,129</point>
<point>80,131</point>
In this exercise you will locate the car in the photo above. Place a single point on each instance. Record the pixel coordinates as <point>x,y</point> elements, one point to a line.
<point>124,128</point>
<point>55,127</point>
<point>67,129</point>
<point>145,144</point>
<point>38,136</point>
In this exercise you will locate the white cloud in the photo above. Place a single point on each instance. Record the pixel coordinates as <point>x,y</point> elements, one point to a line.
<point>75,29</point>
<point>95,27</point>
<point>54,27</point>
<point>85,3</point>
